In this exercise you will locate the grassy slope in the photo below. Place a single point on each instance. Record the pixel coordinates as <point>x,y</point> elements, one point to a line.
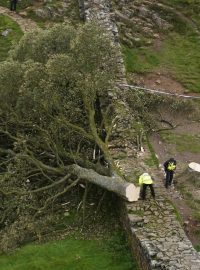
<point>183,142</point>
<point>179,55</point>
<point>13,36</point>
<point>191,8</point>
<point>72,254</point>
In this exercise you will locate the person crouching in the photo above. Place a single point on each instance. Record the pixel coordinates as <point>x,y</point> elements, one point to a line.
<point>145,181</point>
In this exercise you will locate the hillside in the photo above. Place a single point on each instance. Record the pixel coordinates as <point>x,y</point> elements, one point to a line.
<point>160,43</point>
<point>160,46</point>
<point>160,40</point>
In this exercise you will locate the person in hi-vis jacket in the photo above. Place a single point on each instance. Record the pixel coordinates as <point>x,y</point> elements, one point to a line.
<point>145,181</point>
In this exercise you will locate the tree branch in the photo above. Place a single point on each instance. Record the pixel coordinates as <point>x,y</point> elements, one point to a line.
<point>62,180</point>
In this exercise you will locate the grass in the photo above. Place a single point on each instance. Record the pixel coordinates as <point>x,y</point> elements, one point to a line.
<point>197,247</point>
<point>149,162</point>
<point>154,159</point>
<point>190,8</point>
<point>72,11</point>
<point>136,212</point>
<point>139,60</point>
<point>177,213</point>
<point>192,203</point>
<point>13,36</point>
<point>179,56</point>
<point>72,254</point>
<point>182,142</point>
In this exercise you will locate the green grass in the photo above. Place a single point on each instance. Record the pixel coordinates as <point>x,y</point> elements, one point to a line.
<point>177,213</point>
<point>179,56</point>
<point>154,159</point>
<point>139,60</point>
<point>13,36</point>
<point>183,142</point>
<point>180,3</point>
<point>72,254</point>
<point>197,247</point>
<point>186,6</point>
<point>136,212</point>
<point>149,162</point>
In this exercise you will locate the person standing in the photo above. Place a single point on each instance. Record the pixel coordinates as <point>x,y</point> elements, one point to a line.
<point>13,5</point>
<point>170,167</point>
<point>145,181</point>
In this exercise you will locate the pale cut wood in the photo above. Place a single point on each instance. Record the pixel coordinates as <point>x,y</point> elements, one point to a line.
<point>115,183</point>
<point>194,166</point>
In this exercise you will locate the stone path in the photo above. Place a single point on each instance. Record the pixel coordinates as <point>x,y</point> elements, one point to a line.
<point>158,241</point>
<point>24,23</point>
<point>163,242</point>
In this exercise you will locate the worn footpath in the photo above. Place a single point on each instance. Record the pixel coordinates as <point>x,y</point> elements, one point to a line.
<point>24,23</point>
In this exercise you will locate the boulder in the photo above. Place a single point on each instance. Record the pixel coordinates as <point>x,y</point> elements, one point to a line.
<point>6,32</point>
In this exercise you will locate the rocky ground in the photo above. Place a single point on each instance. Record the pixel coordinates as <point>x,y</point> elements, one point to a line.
<point>143,23</point>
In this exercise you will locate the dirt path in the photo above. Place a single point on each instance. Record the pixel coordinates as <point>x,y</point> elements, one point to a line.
<point>163,152</point>
<point>24,23</point>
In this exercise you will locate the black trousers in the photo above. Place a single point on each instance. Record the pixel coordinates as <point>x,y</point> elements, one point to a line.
<point>13,5</point>
<point>169,178</point>
<point>143,192</point>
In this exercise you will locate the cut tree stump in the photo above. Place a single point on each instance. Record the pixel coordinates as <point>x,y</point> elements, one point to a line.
<point>195,167</point>
<point>194,170</point>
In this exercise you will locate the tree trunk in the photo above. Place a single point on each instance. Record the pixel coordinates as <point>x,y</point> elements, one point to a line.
<point>194,170</point>
<point>193,166</point>
<point>115,183</point>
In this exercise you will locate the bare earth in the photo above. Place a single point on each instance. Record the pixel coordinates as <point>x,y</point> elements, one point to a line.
<point>165,151</point>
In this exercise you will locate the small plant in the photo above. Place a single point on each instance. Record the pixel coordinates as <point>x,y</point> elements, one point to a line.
<point>153,155</point>
<point>14,34</point>
<point>197,247</point>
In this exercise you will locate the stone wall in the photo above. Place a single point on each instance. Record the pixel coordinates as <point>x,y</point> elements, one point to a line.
<point>100,11</point>
<point>155,235</point>
<point>153,226</point>
<point>156,238</point>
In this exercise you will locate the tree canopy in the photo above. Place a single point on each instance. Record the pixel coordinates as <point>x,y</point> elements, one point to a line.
<point>49,87</point>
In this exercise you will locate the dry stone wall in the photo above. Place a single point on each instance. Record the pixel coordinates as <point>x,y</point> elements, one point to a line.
<point>100,11</point>
<point>156,237</point>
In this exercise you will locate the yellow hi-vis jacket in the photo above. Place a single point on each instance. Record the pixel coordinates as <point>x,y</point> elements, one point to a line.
<point>171,166</point>
<point>145,178</point>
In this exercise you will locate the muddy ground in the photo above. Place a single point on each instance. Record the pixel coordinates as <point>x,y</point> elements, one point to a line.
<point>185,193</point>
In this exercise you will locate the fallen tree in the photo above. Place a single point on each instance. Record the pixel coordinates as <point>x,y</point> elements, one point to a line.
<point>50,123</point>
<point>115,183</point>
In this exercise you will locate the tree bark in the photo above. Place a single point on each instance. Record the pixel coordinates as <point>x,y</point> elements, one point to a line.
<point>194,170</point>
<point>194,167</point>
<point>114,184</point>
